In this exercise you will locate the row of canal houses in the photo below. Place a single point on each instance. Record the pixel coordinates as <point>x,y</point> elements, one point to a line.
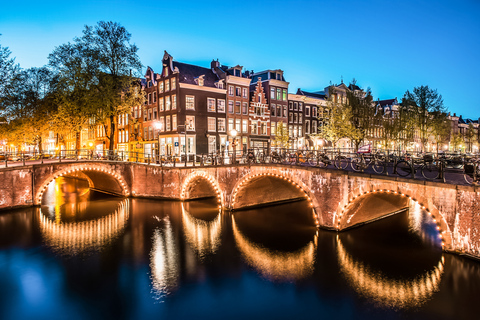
<point>210,103</point>
<point>194,110</point>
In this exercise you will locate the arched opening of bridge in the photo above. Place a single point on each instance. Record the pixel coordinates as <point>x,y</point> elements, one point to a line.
<point>82,180</point>
<point>371,206</point>
<point>266,189</point>
<point>200,185</point>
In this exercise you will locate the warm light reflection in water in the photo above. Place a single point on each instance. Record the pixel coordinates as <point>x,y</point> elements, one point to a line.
<point>164,260</point>
<point>388,292</point>
<point>76,237</point>
<point>273,264</point>
<point>203,236</point>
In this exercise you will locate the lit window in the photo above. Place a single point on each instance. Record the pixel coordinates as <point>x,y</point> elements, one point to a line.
<point>190,121</point>
<point>174,83</point>
<point>162,105</point>
<point>221,124</point>
<point>167,125</point>
<point>245,126</point>
<point>167,85</point>
<point>162,124</point>
<point>174,122</point>
<point>167,103</point>
<point>211,104</point>
<point>230,124</point>
<point>221,105</point>
<point>190,102</point>
<point>174,102</point>
<point>284,95</point>
<point>272,128</point>
<point>272,93</point>
<point>212,124</point>
<point>279,94</point>
<point>161,87</point>
<point>237,125</point>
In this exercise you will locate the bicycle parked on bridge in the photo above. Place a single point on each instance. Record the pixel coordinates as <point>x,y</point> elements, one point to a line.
<point>363,160</point>
<point>428,166</point>
<point>471,172</point>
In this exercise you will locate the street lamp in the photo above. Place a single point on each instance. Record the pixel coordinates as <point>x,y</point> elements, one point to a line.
<point>234,133</point>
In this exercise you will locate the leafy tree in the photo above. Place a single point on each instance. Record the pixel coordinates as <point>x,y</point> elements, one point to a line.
<point>339,125</point>
<point>457,141</point>
<point>76,73</point>
<point>281,135</point>
<point>470,137</point>
<point>97,76</point>
<point>363,113</point>
<point>117,90</point>
<point>429,111</point>
<point>28,106</point>
<point>8,71</point>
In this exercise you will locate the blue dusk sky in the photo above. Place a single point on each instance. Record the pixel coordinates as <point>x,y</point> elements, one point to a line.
<point>389,46</point>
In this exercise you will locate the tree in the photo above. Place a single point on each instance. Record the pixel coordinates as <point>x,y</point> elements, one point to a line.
<point>339,125</point>
<point>117,90</point>
<point>76,73</point>
<point>97,76</point>
<point>29,105</point>
<point>427,105</point>
<point>363,113</point>
<point>470,137</point>
<point>281,135</point>
<point>8,71</point>
<point>457,141</point>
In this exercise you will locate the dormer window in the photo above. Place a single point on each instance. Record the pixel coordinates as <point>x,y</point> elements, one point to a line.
<point>219,84</point>
<point>279,76</point>
<point>200,80</point>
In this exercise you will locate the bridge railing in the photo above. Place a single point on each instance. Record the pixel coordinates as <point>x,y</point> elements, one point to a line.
<point>455,167</point>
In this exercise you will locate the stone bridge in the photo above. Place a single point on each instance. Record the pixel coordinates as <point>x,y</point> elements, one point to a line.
<point>339,199</point>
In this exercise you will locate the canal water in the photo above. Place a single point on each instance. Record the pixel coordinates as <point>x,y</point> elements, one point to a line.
<point>86,256</point>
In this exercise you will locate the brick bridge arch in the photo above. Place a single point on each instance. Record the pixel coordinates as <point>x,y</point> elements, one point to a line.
<point>332,193</point>
<point>100,176</point>
<point>377,203</point>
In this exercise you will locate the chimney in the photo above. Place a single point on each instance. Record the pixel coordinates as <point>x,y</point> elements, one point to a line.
<point>214,64</point>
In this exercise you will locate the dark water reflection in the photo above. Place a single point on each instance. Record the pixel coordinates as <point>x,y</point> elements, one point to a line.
<point>85,257</point>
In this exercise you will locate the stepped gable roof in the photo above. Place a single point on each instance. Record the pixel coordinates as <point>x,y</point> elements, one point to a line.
<point>318,94</point>
<point>189,72</point>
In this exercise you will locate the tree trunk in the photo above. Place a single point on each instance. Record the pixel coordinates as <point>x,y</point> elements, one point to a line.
<point>112,133</point>
<point>40,144</point>
<point>77,140</point>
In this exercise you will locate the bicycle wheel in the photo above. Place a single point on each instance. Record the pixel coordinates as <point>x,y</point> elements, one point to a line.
<point>312,160</point>
<point>430,171</point>
<point>356,164</point>
<point>403,168</point>
<point>378,166</point>
<point>468,178</point>
<point>323,162</point>
<point>341,162</point>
